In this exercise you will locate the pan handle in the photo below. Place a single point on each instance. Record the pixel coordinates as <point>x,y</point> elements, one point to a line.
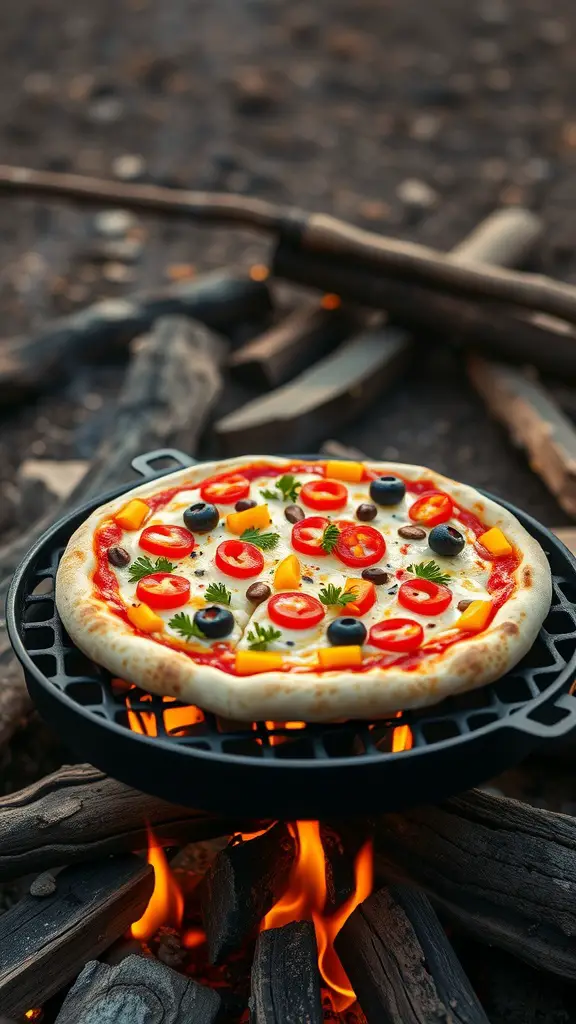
<point>144,464</point>
<point>558,730</point>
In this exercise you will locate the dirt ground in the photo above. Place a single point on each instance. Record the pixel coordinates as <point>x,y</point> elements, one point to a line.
<point>410,118</point>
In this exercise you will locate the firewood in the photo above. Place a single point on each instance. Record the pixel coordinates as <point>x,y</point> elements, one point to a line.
<point>78,813</point>
<point>140,990</point>
<point>241,886</point>
<point>291,345</point>
<point>341,386</point>
<point>45,942</point>
<point>314,233</point>
<point>171,385</point>
<point>534,421</point>
<point>285,986</point>
<point>401,964</point>
<point>219,300</point>
<point>499,869</point>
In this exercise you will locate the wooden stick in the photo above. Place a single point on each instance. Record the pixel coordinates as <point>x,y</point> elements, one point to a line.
<point>285,985</point>
<point>241,886</point>
<point>78,813</point>
<point>499,869</point>
<point>139,991</point>
<point>45,942</point>
<point>534,421</point>
<point>401,964</point>
<point>220,300</point>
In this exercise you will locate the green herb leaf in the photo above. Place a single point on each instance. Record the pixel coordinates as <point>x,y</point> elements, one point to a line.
<point>288,486</point>
<point>336,595</point>
<point>330,538</point>
<point>218,593</point>
<point>186,626</point>
<point>262,636</point>
<point>430,571</point>
<point>270,495</point>
<point>265,541</point>
<point>144,566</point>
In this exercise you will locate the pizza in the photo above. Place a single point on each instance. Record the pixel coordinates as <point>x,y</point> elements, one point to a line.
<point>273,588</point>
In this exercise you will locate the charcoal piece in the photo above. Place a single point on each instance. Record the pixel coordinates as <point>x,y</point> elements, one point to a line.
<point>285,986</point>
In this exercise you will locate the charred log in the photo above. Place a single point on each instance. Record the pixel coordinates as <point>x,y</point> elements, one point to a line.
<point>401,964</point>
<point>285,986</point>
<point>45,942</point>
<point>241,886</point>
<point>140,990</point>
<point>78,813</point>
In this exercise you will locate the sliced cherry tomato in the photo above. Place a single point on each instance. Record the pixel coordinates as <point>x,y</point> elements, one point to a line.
<point>399,635</point>
<point>163,590</point>
<point>295,610</point>
<point>237,558</point>
<point>307,536</point>
<point>173,541</point>
<point>324,494</point>
<point>432,509</point>
<point>424,596</point>
<point>360,545</point>
<point>365,594</point>
<point>227,490</point>
<point>343,524</point>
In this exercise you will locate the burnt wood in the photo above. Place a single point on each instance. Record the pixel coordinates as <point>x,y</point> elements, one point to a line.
<point>500,869</point>
<point>285,984</point>
<point>140,990</point>
<point>401,964</point>
<point>31,364</point>
<point>288,347</point>
<point>241,886</point>
<point>534,421</point>
<point>45,942</point>
<point>78,813</point>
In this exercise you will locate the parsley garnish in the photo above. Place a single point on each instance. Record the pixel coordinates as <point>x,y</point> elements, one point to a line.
<point>217,592</point>
<point>144,566</point>
<point>330,538</point>
<point>288,485</point>
<point>262,636</point>
<point>429,571</point>
<point>186,626</point>
<point>335,595</point>
<point>265,541</point>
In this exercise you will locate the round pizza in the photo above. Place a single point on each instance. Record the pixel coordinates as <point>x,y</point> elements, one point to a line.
<point>269,588</point>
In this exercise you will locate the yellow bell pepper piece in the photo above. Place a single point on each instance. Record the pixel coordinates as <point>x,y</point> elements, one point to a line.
<point>340,657</point>
<point>474,617</point>
<point>495,542</point>
<point>251,518</point>
<point>250,662</point>
<point>142,616</point>
<point>132,515</point>
<point>344,470</point>
<point>288,573</point>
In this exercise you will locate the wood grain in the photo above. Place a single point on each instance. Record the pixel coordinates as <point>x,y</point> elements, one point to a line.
<point>285,987</point>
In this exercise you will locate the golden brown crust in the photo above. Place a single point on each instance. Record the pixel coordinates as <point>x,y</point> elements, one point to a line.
<point>280,696</point>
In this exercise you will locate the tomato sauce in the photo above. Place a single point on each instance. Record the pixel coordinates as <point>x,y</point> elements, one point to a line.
<point>501,583</point>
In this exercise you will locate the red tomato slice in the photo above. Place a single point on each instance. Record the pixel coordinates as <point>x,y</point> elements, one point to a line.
<point>343,524</point>
<point>295,610</point>
<point>307,536</point>
<point>163,590</point>
<point>360,546</point>
<point>324,494</point>
<point>173,541</point>
<point>237,558</point>
<point>432,509</point>
<point>227,490</point>
<point>365,593</point>
<point>424,596</point>
<point>399,635</point>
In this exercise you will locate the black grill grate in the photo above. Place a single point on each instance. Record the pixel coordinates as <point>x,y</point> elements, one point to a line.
<point>205,761</point>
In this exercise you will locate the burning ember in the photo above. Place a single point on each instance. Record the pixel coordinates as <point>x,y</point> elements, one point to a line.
<point>176,719</point>
<point>166,905</point>
<point>305,898</point>
<point>401,739</point>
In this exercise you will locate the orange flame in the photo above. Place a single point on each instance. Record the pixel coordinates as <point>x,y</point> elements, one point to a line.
<point>401,739</point>
<point>166,904</point>
<point>35,1014</point>
<point>176,720</point>
<point>330,301</point>
<point>193,937</point>
<point>306,898</point>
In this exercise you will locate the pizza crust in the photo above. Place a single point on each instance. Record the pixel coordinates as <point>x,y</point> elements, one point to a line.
<point>305,696</point>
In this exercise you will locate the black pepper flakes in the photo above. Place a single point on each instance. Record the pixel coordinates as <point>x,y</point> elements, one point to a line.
<point>199,572</point>
<point>307,579</point>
